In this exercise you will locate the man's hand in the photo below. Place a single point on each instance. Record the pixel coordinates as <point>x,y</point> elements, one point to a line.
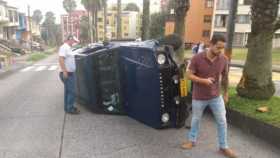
<point>65,74</point>
<point>208,81</point>
<point>225,97</point>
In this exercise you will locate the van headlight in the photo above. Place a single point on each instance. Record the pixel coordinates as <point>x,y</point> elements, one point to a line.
<point>161,58</point>
<point>165,118</point>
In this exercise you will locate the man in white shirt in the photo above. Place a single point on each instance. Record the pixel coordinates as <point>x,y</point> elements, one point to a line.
<point>67,73</point>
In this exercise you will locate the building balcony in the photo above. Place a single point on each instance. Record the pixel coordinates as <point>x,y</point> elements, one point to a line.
<point>4,20</point>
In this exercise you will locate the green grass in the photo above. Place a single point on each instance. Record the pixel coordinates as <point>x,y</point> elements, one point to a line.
<point>36,56</point>
<point>248,107</point>
<point>241,53</point>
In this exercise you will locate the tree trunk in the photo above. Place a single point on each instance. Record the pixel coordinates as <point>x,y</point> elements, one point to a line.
<point>89,27</point>
<point>96,25</point>
<point>231,28</point>
<point>256,81</point>
<point>105,21</point>
<point>119,21</point>
<point>181,9</point>
<point>93,25</point>
<point>145,19</point>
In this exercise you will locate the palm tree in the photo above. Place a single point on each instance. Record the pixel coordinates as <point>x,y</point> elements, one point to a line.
<point>104,4</point>
<point>70,6</point>
<point>145,19</point>
<point>37,16</point>
<point>256,81</point>
<point>93,6</point>
<point>181,9</point>
<point>119,21</point>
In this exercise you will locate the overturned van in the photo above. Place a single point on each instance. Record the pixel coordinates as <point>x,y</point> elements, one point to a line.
<point>138,79</point>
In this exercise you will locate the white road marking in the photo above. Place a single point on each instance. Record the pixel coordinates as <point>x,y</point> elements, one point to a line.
<point>40,68</point>
<point>53,67</point>
<point>27,68</point>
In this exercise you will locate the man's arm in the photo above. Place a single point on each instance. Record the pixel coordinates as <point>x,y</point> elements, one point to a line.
<point>225,83</point>
<point>194,78</point>
<point>61,61</point>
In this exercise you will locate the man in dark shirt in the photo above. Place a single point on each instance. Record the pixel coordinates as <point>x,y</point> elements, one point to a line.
<point>209,73</point>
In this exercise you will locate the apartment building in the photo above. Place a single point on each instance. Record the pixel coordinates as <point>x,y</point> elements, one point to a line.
<point>198,22</point>
<point>70,23</point>
<point>242,25</point>
<point>131,25</point>
<point>4,19</point>
<point>23,32</point>
<point>11,27</point>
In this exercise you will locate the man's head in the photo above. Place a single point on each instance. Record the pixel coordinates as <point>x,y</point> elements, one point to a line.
<point>71,40</point>
<point>217,44</point>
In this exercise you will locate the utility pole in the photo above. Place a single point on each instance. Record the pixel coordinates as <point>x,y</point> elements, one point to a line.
<point>231,28</point>
<point>30,27</point>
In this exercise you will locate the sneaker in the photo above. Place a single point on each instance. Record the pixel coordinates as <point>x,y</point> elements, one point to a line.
<point>227,153</point>
<point>188,145</point>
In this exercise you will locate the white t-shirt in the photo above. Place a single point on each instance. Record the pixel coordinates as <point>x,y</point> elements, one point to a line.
<point>69,57</point>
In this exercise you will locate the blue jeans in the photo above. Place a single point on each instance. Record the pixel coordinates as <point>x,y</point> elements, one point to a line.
<point>217,106</point>
<point>69,91</point>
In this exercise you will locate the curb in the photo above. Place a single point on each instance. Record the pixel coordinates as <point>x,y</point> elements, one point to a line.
<point>252,126</point>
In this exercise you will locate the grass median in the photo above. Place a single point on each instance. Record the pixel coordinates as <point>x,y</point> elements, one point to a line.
<point>249,108</point>
<point>36,56</point>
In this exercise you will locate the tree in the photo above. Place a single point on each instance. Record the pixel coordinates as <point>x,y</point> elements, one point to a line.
<point>84,35</point>
<point>231,28</point>
<point>132,7</point>
<point>180,7</point>
<point>37,16</point>
<point>70,6</point>
<point>50,30</point>
<point>104,4</point>
<point>119,20</point>
<point>93,6</point>
<point>145,20</point>
<point>256,81</point>
<point>157,22</point>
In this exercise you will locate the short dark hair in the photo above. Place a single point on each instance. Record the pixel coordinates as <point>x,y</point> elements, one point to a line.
<point>217,38</point>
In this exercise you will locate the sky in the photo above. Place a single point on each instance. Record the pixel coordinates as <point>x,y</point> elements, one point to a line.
<point>53,5</point>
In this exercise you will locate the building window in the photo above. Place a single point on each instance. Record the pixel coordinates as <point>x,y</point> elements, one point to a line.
<point>100,19</point>
<point>223,4</point>
<point>206,33</point>
<point>11,16</point>
<point>276,36</point>
<point>207,18</point>
<point>221,20</point>
<point>209,3</point>
<point>113,34</point>
<point>126,34</point>
<point>16,16</point>
<point>243,19</point>
<point>247,2</point>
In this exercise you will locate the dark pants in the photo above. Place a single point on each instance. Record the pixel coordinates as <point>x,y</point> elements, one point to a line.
<point>69,91</point>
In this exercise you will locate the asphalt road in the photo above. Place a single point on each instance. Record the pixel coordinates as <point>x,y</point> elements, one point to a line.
<point>34,125</point>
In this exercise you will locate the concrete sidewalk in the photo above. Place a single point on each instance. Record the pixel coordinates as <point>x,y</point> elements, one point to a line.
<point>19,62</point>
